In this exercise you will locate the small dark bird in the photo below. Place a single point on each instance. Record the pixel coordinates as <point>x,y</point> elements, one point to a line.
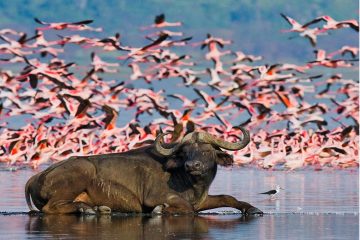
<point>273,192</point>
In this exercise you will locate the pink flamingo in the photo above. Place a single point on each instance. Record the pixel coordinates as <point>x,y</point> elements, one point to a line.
<point>277,155</point>
<point>78,26</point>
<point>160,22</point>
<point>332,24</point>
<point>270,73</point>
<point>170,33</point>
<point>138,74</point>
<point>102,66</point>
<point>311,34</point>
<point>353,51</point>
<point>241,57</point>
<point>295,159</point>
<point>295,26</point>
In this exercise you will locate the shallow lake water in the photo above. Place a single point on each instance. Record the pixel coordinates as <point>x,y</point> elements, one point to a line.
<point>314,205</point>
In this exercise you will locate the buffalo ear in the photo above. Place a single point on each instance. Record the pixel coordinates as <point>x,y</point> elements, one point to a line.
<point>224,159</point>
<point>173,163</point>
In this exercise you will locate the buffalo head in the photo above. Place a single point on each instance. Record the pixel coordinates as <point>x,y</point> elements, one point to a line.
<point>198,152</point>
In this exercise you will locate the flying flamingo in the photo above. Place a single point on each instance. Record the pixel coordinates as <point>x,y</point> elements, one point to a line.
<point>187,103</point>
<point>40,41</point>
<point>170,33</point>
<point>75,39</point>
<point>160,22</point>
<point>311,34</point>
<point>77,26</point>
<point>332,24</point>
<point>138,74</point>
<point>145,49</point>
<point>111,117</point>
<point>295,26</point>
<point>270,74</point>
<point>8,31</point>
<point>102,66</point>
<point>170,43</point>
<point>109,44</point>
<point>353,51</point>
<point>241,57</point>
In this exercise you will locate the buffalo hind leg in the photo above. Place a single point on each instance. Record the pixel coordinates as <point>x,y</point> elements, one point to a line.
<point>66,206</point>
<point>228,201</point>
<point>174,204</point>
<point>84,198</point>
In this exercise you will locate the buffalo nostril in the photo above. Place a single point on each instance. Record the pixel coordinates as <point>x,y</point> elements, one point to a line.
<point>197,164</point>
<point>193,165</point>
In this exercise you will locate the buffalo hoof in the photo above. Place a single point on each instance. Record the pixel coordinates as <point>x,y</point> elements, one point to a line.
<point>103,209</point>
<point>159,209</point>
<point>253,211</point>
<point>89,211</point>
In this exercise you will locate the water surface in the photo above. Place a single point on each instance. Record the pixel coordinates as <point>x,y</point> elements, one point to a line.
<point>314,205</point>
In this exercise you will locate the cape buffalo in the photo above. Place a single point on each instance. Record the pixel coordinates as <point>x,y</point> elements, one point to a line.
<point>163,178</point>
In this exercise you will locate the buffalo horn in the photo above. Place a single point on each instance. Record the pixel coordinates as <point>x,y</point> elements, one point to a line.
<point>160,149</point>
<point>208,138</point>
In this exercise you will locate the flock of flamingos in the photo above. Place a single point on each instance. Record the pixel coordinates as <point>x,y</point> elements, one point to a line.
<point>72,109</point>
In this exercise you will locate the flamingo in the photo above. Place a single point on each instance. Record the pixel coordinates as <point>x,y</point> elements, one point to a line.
<point>170,33</point>
<point>109,44</point>
<point>215,78</point>
<point>170,43</point>
<point>78,26</point>
<point>297,68</point>
<point>311,34</point>
<point>332,24</point>
<point>142,50</point>
<point>270,73</point>
<point>211,105</point>
<point>160,22</point>
<point>8,31</point>
<point>13,47</point>
<point>322,59</point>
<point>241,57</point>
<point>102,66</point>
<point>49,51</point>
<point>138,74</point>
<point>295,159</point>
<point>353,51</point>
<point>277,155</point>
<point>187,103</point>
<point>35,68</point>
<point>40,40</point>
<point>214,54</point>
<point>295,26</point>
<point>75,39</point>
<point>111,117</point>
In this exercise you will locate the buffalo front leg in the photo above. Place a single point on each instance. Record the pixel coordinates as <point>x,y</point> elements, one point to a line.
<point>227,201</point>
<point>66,206</point>
<point>173,204</point>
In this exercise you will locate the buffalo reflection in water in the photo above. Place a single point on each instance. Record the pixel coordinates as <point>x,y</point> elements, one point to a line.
<point>131,227</point>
